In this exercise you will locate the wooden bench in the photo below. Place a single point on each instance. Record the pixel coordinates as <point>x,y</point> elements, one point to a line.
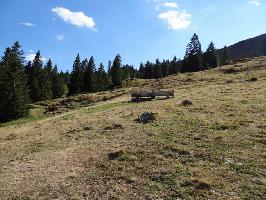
<point>150,95</point>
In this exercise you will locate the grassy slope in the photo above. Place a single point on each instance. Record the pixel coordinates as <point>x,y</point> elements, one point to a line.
<point>213,149</point>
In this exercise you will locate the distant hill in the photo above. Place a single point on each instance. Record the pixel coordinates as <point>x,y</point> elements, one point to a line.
<point>252,47</point>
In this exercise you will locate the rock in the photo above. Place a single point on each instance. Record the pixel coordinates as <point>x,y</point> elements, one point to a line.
<point>186,103</point>
<point>146,117</point>
<point>116,155</point>
<point>253,79</point>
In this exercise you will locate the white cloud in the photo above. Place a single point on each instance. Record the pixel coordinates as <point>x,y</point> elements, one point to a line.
<point>176,19</point>
<point>78,19</point>
<point>170,5</point>
<point>27,24</point>
<point>31,56</point>
<point>60,37</point>
<point>255,2</point>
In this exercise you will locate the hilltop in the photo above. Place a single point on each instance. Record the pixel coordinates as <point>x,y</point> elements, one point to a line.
<point>90,146</point>
<point>248,48</point>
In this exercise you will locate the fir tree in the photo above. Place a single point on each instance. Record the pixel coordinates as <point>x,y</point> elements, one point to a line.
<point>109,67</point>
<point>89,79</point>
<point>115,72</point>
<point>193,57</point>
<point>225,56</point>
<point>34,75</point>
<point>102,79</point>
<point>45,86</point>
<point>141,71</point>
<point>157,70</point>
<point>76,78</point>
<point>43,83</point>
<point>148,70</point>
<point>210,58</point>
<point>57,83</point>
<point>14,97</point>
<point>165,68</point>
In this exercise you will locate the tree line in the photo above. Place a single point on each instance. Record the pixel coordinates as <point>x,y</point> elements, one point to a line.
<point>24,83</point>
<point>194,60</point>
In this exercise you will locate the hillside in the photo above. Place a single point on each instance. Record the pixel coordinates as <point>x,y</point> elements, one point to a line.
<point>92,147</point>
<point>253,47</point>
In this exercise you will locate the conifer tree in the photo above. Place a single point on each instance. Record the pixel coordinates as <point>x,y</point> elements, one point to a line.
<point>57,83</point>
<point>148,70</point>
<point>76,78</point>
<point>116,72</point>
<point>45,86</point>
<point>89,76</point>
<point>157,70</point>
<point>14,97</point>
<point>102,79</point>
<point>41,79</point>
<point>210,58</point>
<point>165,68</point>
<point>141,71</point>
<point>225,56</point>
<point>109,67</point>
<point>34,78</point>
<point>193,56</point>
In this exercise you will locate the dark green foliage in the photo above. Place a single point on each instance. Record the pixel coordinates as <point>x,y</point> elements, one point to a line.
<point>165,67</point>
<point>103,80</point>
<point>193,57</point>
<point>225,57</point>
<point>148,70</point>
<point>76,79</point>
<point>34,72</point>
<point>65,76</point>
<point>57,82</point>
<point>45,86</point>
<point>89,75</point>
<point>210,58</point>
<point>116,72</point>
<point>128,72</point>
<point>141,71</point>
<point>14,98</point>
<point>157,70</point>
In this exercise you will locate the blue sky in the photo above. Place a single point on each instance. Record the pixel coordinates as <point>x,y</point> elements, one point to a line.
<point>139,30</point>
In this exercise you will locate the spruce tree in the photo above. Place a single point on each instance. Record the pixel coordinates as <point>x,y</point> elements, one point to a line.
<point>14,97</point>
<point>165,68</point>
<point>193,56</point>
<point>225,56</point>
<point>76,78</point>
<point>34,76</point>
<point>141,72</point>
<point>57,83</point>
<point>210,58</point>
<point>116,72</point>
<point>102,79</point>
<point>43,83</point>
<point>45,86</point>
<point>148,70</point>
<point>157,69</point>
<point>89,76</point>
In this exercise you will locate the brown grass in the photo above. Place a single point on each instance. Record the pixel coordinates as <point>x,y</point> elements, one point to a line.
<point>213,149</point>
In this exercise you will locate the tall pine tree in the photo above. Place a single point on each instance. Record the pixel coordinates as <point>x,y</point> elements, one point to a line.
<point>89,76</point>
<point>102,79</point>
<point>193,57</point>
<point>225,56</point>
<point>116,72</point>
<point>210,58</point>
<point>14,97</point>
<point>76,79</point>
